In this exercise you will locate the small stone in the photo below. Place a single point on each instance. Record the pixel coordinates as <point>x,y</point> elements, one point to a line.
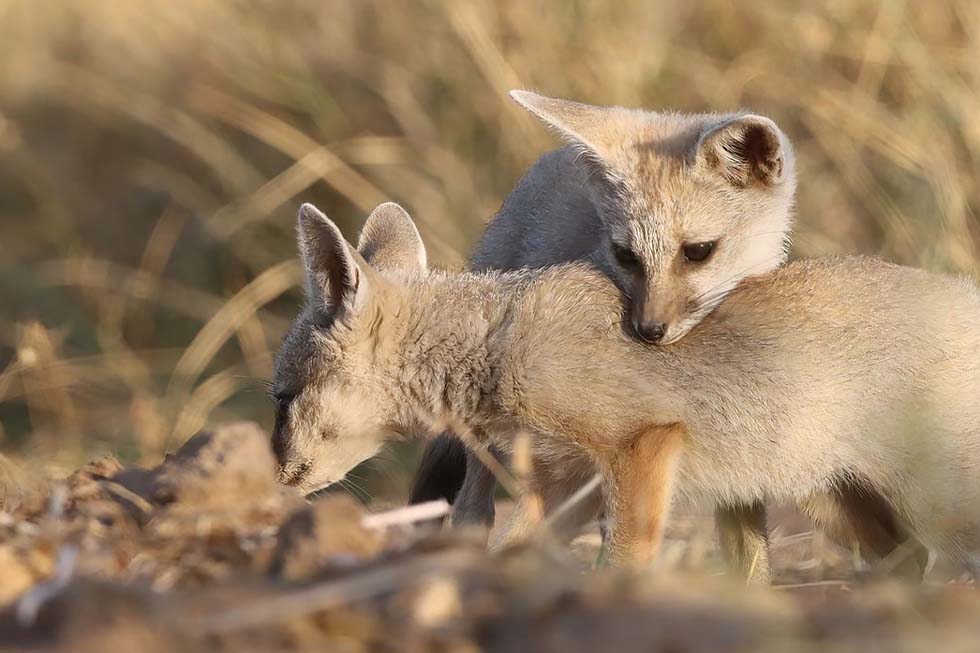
<point>328,529</point>
<point>231,465</point>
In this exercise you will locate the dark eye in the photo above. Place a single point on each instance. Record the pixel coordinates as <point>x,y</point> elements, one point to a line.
<point>697,252</point>
<point>625,256</point>
<point>283,399</point>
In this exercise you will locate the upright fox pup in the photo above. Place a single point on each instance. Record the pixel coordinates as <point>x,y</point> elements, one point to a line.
<point>676,209</point>
<point>870,380</point>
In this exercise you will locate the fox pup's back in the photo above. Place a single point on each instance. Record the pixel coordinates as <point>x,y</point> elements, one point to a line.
<point>676,209</point>
<point>839,374</point>
<point>819,373</point>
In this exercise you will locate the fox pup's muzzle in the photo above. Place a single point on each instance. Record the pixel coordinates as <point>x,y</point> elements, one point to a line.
<point>650,332</point>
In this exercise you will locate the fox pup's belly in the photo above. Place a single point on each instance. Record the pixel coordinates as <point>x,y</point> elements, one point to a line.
<point>747,478</point>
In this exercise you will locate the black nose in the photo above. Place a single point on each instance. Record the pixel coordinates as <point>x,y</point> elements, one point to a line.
<point>650,332</point>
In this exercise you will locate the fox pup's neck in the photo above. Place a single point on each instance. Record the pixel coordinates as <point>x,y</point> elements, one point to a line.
<point>451,341</point>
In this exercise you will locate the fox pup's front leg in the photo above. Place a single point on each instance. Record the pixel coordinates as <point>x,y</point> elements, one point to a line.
<point>638,484</point>
<point>744,538</point>
<point>551,489</point>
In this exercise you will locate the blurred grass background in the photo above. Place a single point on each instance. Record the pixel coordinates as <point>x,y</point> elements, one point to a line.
<point>152,156</point>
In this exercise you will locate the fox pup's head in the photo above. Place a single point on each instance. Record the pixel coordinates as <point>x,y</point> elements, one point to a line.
<point>332,409</point>
<point>692,204</point>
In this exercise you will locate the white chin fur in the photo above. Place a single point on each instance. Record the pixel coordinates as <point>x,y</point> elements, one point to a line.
<point>678,331</point>
<point>673,335</point>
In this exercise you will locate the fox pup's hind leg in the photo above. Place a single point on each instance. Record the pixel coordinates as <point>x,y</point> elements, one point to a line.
<point>449,470</point>
<point>441,471</point>
<point>474,504</point>
<point>552,488</point>
<point>638,484</point>
<point>855,512</point>
<point>744,538</point>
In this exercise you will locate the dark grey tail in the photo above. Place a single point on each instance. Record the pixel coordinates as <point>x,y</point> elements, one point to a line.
<point>441,471</point>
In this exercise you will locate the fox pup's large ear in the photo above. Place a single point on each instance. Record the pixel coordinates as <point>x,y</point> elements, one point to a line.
<point>746,149</point>
<point>390,241</point>
<point>335,274</point>
<point>596,130</point>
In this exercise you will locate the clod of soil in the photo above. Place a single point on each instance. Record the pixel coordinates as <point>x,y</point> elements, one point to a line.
<point>327,529</point>
<point>224,467</point>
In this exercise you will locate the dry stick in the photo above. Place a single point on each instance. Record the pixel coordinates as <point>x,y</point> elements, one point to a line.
<point>755,561</point>
<point>523,464</point>
<point>904,551</point>
<point>127,494</point>
<point>504,477</point>
<point>356,587</point>
<point>843,584</point>
<point>576,498</point>
<point>523,484</point>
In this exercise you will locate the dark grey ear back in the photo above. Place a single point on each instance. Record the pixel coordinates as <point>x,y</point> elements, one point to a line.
<point>746,150</point>
<point>331,275</point>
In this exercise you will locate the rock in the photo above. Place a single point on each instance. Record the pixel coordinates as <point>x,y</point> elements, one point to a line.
<point>328,528</point>
<point>230,465</point>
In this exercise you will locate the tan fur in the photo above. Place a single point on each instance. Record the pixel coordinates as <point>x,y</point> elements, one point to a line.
<point>819,371</point>
<point>744,539</point>
<point>649,183</point>
<point>858,517</point>
<point>389,243</point>
<point>643,472</point>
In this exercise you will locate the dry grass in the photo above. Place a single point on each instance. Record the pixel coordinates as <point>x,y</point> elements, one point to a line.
<point>171,558</point>
<point>152,156</point>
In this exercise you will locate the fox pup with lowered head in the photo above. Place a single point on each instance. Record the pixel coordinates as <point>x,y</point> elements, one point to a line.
<point>676,209</point>
<point>870,381</point>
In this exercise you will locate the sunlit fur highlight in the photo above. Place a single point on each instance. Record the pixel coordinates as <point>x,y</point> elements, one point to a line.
<point>816,374</point>
<point>650,182</point>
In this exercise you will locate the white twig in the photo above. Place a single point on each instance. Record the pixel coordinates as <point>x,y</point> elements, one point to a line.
<point>407,515</point>
<point>31,603</point>
<point>577,497</point>
<point>56,502</point>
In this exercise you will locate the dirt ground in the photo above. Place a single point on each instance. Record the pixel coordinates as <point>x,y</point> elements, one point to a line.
<point>207,552</point>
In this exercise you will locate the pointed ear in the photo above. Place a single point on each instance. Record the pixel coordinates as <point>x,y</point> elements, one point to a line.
<point>390,241</point>
<point>594,129</point>
<point>335,275</point>
<point>745,150</point>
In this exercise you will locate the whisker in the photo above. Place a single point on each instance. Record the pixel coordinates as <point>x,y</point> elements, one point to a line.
<point>718,286</point>
<point>354,489</point>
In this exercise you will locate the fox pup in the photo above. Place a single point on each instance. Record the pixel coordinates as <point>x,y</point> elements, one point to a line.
<point>820,375</point>
<point>676,209</point>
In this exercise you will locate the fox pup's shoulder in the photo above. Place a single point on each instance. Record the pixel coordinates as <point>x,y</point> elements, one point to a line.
<point>575,292</point>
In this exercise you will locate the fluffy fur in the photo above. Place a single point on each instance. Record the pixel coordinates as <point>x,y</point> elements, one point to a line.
<point>650,183</point>
<point>820,375</point>
<point>646,183</point>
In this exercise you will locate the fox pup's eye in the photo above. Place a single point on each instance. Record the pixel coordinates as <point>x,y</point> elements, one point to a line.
<point>283,399</point>
<point>625,256</point>
<point>697,252</point>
